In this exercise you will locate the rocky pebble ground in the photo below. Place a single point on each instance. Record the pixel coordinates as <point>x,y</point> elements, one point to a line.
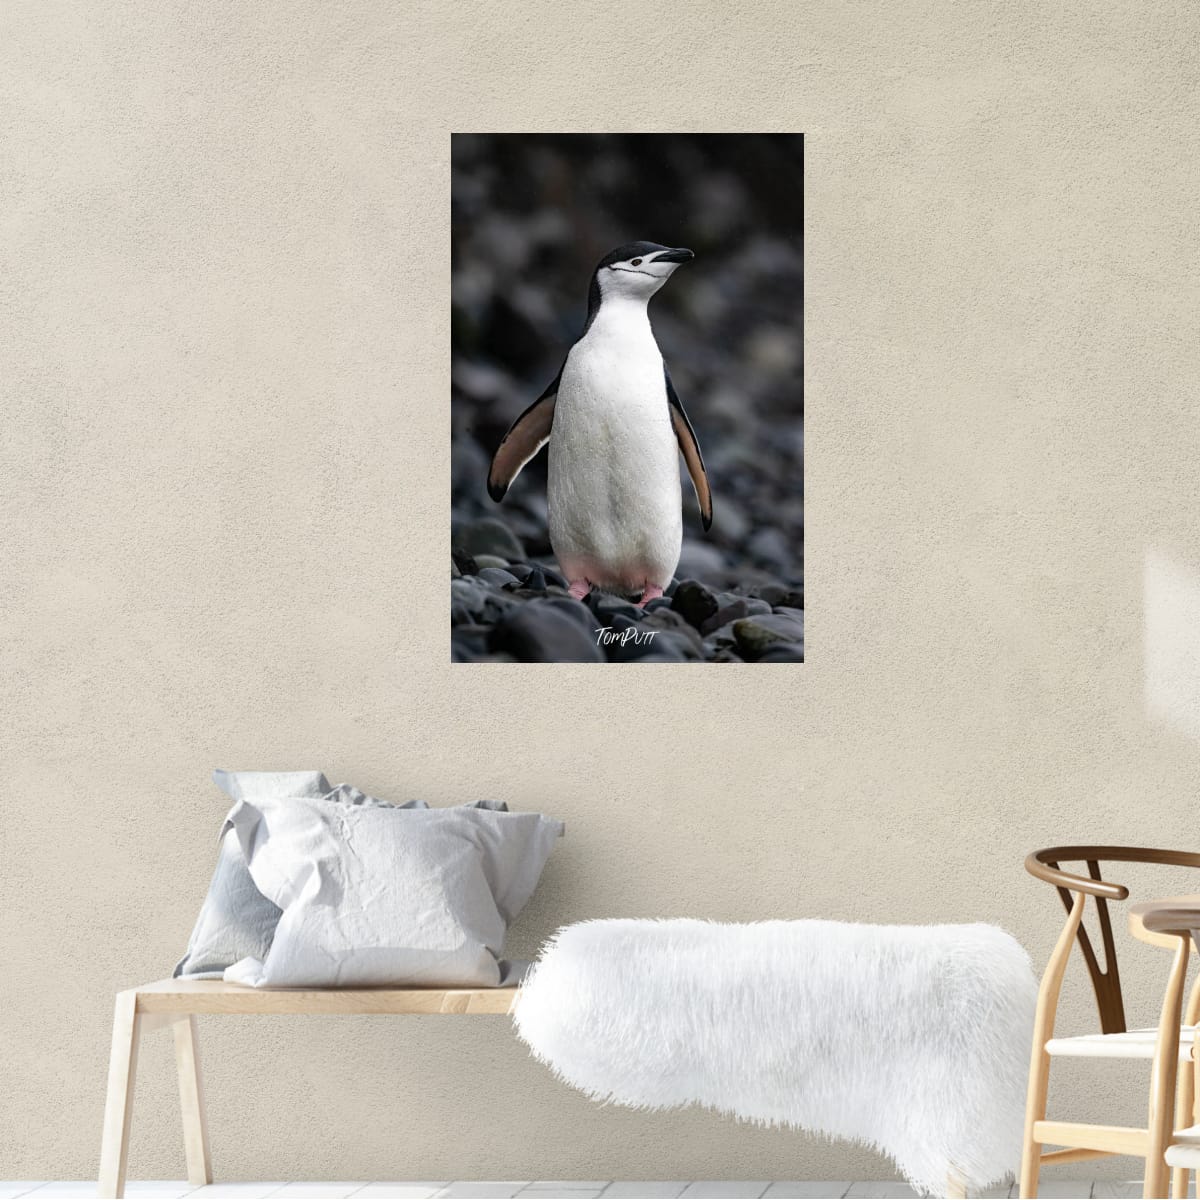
<point>508,606</point>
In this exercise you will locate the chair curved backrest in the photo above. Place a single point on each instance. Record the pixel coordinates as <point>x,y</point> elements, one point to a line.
<point>1044,864</point>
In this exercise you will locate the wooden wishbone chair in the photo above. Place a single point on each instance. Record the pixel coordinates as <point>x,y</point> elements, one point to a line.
<point>1165,1047</point>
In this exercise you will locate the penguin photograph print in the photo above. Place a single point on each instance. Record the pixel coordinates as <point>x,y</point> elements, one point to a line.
<point>627,403</point>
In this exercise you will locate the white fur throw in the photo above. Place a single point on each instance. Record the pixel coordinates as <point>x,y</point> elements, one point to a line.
<point>913,1040</point>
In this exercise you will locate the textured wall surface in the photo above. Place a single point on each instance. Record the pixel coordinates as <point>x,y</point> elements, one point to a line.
<point>224,358</point>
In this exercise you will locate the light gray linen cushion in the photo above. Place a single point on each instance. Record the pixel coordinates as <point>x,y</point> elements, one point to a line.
<point>381,896</point>
<point>236,920</point>
<point>247,785</point>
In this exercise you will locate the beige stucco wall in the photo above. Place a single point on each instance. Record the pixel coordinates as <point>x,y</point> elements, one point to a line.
<point>224,359</point>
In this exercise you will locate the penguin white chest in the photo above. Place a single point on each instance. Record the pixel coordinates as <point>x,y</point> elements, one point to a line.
<point>614,492</point>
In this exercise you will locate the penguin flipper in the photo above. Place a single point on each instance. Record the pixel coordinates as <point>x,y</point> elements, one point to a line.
<point>685,435</point>
<point>525,437</point>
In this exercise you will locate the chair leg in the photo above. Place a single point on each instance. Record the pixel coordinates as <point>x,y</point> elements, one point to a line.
<point>1043,1031</point>
<point>118,1104</point>
<point>1035,1110</point>
<point>191,1101</point>
<point>1163,1076</point>
<point>1183,1116</point>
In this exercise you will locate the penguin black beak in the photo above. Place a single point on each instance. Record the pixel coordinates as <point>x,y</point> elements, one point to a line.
<point>680,254</point>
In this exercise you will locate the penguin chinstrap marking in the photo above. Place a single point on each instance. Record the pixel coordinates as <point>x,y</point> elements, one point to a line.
<point>616,429</point>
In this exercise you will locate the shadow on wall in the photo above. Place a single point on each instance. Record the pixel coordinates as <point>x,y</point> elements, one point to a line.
<point>1171,602</point>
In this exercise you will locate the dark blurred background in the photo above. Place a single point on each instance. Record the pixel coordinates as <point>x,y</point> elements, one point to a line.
<point>533,213</point>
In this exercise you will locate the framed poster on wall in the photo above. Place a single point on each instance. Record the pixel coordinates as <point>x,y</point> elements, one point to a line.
<point>627,411</point>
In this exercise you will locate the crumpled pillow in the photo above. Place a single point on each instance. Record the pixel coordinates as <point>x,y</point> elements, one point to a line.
<point>379,896</point>
<point>236,920</point>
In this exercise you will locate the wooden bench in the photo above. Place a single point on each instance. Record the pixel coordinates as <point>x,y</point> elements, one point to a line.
<point>176,1003</point>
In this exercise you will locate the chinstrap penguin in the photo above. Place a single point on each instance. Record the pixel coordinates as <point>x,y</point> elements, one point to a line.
<point>616,429</point>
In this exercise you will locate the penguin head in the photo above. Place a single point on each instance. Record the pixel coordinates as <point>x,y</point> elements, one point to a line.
<point>637,270</point>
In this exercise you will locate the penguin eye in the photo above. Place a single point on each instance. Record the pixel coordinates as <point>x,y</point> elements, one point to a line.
<point>637,262</point>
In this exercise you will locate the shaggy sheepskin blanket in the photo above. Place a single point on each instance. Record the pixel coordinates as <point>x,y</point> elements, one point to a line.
<point>913,1040</point>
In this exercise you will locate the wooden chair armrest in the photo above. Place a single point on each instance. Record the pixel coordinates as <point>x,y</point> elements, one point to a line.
<point>1044,865</point>
<point>1038,865</point>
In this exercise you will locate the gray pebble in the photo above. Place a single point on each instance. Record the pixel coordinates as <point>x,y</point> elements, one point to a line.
<point>607,607</point>
<point>797,614</point>
<point>468,643</point>
<point>781,595</point>
<point>722,639</point>
<point>573,609</point>
<point>664,653</point>
<point>476,599</point>
<point>538,631</point>
<point>735,610</point>
<point>694,602</point>
<point>553,577</point>
<point>668,618</point>
<point>783,652</point>
<point>464,562</point>
<point>497,577</point>
<point>755,634</point>
<point>686,645</point>
<point>489,535</point>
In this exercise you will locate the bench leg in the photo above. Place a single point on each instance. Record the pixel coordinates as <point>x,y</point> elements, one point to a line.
<point>118,1104</point>
<point>191,1102</point>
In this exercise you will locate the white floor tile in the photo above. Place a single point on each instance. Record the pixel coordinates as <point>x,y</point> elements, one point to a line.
<point>17,1187</point>
<point>1107,1189</point>
<point>66,1190</point>
<point>718,1189</point>
<point>418,1190</point>
<point>318,1191</point>
<point>1067,1189</point>
<point>653,1189</point>
<point>880,1189</point>
<point>481,1191</point>
<point>238,1191</point>
<point>158,1189</point>
<point>569,1185</point>
<point>559,1192</point>
<point>808,1189</point>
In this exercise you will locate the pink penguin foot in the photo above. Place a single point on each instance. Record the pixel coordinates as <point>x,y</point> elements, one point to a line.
<point>579,588</point>
<point>651,593</point>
